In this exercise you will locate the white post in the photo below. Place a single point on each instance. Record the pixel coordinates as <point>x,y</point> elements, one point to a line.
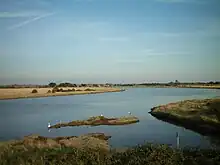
<point>177,140</point>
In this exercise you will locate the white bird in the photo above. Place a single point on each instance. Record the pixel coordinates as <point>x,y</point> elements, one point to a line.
<point>101,115</point>
<point>48,125</point>
<point>129,113</point>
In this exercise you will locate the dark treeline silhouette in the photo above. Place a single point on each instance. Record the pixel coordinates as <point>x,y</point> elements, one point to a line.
<point>73,85</point>
<point>175,83</point>
<point>66,84</point>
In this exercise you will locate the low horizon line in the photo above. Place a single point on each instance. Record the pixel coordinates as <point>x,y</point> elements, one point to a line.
<point>157,82</point>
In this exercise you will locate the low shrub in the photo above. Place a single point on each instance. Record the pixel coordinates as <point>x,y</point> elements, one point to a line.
<point>34,91</point>
<point>49,91</point>
<point>55,89</point>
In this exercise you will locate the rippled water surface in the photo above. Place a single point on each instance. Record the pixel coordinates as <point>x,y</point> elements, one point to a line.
<point>26,116</point>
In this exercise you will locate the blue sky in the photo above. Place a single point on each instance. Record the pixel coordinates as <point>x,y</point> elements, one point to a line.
<point>109,41</point>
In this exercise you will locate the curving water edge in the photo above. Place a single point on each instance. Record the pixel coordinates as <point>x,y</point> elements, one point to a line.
<point>19,118</point>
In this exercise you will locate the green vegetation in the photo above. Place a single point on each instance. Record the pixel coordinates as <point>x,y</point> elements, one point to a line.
<point>202,116</point>
<point>33,148</point>
<point>52,84</point>
<point>147,154</point>
<point>66,84</point>
<point>99,120</point>
<point>34,91</point>
<point>57,89</point>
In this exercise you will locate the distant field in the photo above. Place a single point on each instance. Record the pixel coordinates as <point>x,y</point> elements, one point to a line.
<point>11,93</point>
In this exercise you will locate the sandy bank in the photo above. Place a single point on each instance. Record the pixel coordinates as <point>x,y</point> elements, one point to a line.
<point>11,93</point>
<point>202,116</point>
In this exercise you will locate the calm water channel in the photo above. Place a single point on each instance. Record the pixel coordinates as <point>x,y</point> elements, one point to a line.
<point>26,116</point>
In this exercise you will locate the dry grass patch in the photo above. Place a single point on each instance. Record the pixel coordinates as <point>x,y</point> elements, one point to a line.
<point>13,93</point>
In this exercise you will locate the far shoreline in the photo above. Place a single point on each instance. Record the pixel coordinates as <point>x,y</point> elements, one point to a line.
<point>163,86</point>
<point>25,93</point>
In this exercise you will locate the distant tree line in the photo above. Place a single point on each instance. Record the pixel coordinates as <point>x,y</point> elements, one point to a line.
<point>67,84</point>
<point>175,83</point>
<point>73,85</point>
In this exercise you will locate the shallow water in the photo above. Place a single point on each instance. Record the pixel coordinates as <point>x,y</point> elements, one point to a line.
<point>26,116</point>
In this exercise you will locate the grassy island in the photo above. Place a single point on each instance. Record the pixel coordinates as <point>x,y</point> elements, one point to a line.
<point>99,120</point>
<point>202,116</point>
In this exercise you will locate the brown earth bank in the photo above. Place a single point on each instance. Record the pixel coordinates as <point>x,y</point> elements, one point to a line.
<point>99,120</point>
<point>202,116</point>
<point>16,93</point>
<point>93,141</point>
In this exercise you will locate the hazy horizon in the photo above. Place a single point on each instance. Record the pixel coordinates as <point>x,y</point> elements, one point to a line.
<point>114,41</point>
<point>89,82</point>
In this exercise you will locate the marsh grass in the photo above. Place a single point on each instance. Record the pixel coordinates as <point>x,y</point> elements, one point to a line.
<point>149,154</point>
<point>99,120</point>
<point>202,116</point>
<point>209,110</point>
